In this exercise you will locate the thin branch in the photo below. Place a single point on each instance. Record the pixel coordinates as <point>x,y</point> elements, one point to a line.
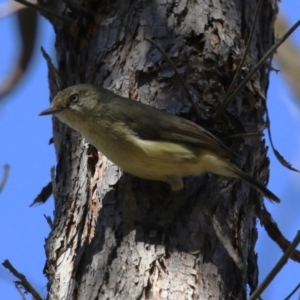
<point>238,72</point>
<point>4,177</point>
<point>43,196</point>
<point>279,157</point>
<point>274,232</point>
<point>18,287</point>
<point>58,80</point>
<point>243,135</point>
<point>292,292</point>
<point>190,98</point>
<point>255,69</point>
<point>283,260</point>
<point>45,11</point>
<point>23,281</point>
<point>49,221</point>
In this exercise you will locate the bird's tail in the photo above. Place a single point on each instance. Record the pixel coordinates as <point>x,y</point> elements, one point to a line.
<point>272,197</point>
<point>210,162</point>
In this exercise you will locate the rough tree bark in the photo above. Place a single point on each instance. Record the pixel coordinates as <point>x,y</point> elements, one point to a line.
<point>120,237</point>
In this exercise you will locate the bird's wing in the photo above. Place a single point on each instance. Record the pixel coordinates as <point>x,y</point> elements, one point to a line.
<point>152,124</point>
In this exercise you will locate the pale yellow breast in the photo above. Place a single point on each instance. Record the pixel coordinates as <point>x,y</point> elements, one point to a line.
<point>148,159</point>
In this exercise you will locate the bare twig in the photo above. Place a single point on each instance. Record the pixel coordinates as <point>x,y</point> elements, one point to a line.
<point>49,221</point>
<point>243,135</point>
<point>45,11</point>
<point>238,72</point>
<point>190,98</point>
<point>274,232</point>
<point>292,292</point>
<point>18,287</point>
<point>43,196</point>
<point>255,69</point>
<point>283,260</point>
<point>23,281</point>
<point>58,80</point>
<point>279,157</point>
<point>4,177</point>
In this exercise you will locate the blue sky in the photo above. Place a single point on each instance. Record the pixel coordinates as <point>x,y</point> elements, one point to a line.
<point>24,146</point>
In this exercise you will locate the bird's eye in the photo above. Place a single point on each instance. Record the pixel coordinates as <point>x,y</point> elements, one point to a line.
<point>74,98</point>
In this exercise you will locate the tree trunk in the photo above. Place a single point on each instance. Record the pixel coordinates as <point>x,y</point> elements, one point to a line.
<point>116,236</point>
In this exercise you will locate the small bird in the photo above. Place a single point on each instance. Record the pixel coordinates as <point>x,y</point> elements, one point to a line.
<point>144,141</point>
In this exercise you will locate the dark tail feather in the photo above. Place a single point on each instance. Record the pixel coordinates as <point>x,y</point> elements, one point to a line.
<point>257,185</point>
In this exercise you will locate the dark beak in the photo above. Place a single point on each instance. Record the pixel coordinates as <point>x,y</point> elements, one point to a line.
<point>51,111</point>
